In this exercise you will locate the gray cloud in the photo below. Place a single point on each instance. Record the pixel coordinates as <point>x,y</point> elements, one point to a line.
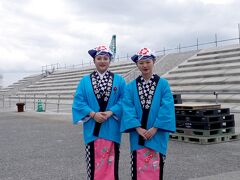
<point>63,34</point>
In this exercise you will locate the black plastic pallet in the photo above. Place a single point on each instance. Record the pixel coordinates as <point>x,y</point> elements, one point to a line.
<point>177,96</point>
<point>197,106</point>
<point>177,101</point>
<point>207,119</point>
<point>204,125</point>
<point>205,140</point>
<point>203,112</point>
<point>206,133</point>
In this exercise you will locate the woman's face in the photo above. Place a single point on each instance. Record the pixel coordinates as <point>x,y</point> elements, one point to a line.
<point>145,66</point>
<point>102,63</point>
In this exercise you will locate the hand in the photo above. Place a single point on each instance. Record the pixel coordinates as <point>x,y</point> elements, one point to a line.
<point>99,117</point>
<point>150,133</point>
<point>107,114</point>
<point>141,132</point>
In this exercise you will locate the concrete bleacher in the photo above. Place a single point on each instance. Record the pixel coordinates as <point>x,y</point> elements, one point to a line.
<point>210,70</point>
<point>194,74</point>
<point>59,86</point>
<point>21,84</point>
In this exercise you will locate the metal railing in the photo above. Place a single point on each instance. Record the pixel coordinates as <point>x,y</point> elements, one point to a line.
<point>214,93</point>
<point>31,101</point>
<point>179,48</point>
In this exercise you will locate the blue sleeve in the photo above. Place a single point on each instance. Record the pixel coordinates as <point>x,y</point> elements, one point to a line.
<point>166,115</point>
<point>80,107</point>
<point>129,118</point>
<point>117,108</point>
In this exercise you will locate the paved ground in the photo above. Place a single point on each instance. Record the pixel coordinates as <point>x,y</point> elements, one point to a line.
<point>46,146</point>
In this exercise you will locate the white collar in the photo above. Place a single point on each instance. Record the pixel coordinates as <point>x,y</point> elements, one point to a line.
<point>101,75</point>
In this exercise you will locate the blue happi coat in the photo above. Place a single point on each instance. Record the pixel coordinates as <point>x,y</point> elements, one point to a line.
<point>85,101</point>
<point>161,116</point>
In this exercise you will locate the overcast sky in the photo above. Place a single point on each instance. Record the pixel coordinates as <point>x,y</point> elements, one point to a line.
<point>34,33</point>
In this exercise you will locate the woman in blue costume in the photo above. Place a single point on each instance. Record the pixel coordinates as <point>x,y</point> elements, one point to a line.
<point>97,103</point>
<point>149,117</point>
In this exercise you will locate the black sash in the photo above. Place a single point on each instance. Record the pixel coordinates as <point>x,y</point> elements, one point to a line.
<point>103,105</point>
<point>145,114</point>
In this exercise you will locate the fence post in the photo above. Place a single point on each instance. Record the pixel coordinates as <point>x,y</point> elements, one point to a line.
<point>216,39</point>
<point>3,101</point>
<point>239,33</point>
<point>25,99</point>
<point>45,102</point>
<point>34,101</point>
<point>216,94</point>
<point>9,100</point>
<point>197,43</point>
<point>58,102</point>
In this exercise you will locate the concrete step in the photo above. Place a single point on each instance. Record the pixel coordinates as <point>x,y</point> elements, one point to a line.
<point>50,89</point>
<point>208,68</point>
<point>214,56</point>
<point>82,73</point>
<point>219,50</point>
<point>216,81</point>
<point>211,62</point>
<point>60,80</point>
<point>69,76</point>
<point>204,74</point>
<point>45,85</point>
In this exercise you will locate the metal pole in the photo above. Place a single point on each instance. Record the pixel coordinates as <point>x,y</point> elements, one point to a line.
<point>164,51</point>
<point>34,101</point>
<point>9,101</point>
<point>197,43</point>
<point>25,97</point>
<point>216,39</point>
<point>239,33</point>
<point>179,48</point>
<point>45,102</point>
<point>216,94</point>
<point>58,103</point>
<point>3,101</point>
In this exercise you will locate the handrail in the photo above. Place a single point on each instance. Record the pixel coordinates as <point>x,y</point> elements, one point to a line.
<point>178,48</point>
<point>216,93</point>
<point>45,97</point>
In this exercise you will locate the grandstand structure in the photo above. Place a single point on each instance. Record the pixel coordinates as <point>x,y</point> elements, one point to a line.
<point>200,76</point>
<point>210,76</point>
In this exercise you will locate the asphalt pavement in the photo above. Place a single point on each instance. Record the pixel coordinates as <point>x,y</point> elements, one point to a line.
<point>46,146</point>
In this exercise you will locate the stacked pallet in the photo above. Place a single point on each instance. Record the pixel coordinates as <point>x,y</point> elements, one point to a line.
<point>204,124</point>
